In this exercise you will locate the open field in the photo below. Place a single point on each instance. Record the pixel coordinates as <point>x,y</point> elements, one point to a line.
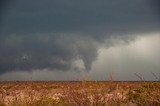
<point>79,93</point>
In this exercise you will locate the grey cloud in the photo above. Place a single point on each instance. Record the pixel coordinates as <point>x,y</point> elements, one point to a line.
<point>50,51</point>
<point>94,18</point>
<point>52,34</point>
<point>141,57</point>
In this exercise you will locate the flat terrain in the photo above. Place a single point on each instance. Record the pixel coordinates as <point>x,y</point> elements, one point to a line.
<point>79,93</point>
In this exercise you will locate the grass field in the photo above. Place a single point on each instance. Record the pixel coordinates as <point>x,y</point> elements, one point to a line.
<point>79,93</point>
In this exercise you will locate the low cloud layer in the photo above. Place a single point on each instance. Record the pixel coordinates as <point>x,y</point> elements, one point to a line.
<point>49,51</point>
<point>54,35</point>
<point>122,60</point>
<point>119,61</point>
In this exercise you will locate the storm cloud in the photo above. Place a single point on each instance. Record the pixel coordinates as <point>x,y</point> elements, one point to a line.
<point>49,51</point>
<point>54,34</point>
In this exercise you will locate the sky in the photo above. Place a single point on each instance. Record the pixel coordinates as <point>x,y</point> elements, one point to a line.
<point>79,39</point>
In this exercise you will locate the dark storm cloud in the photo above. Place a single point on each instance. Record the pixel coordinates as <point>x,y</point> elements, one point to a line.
<point>89,17</point>
<point>38,34</point>
<point>51,51</point>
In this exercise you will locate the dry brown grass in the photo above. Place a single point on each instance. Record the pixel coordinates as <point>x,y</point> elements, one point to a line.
<point>79,93</point>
